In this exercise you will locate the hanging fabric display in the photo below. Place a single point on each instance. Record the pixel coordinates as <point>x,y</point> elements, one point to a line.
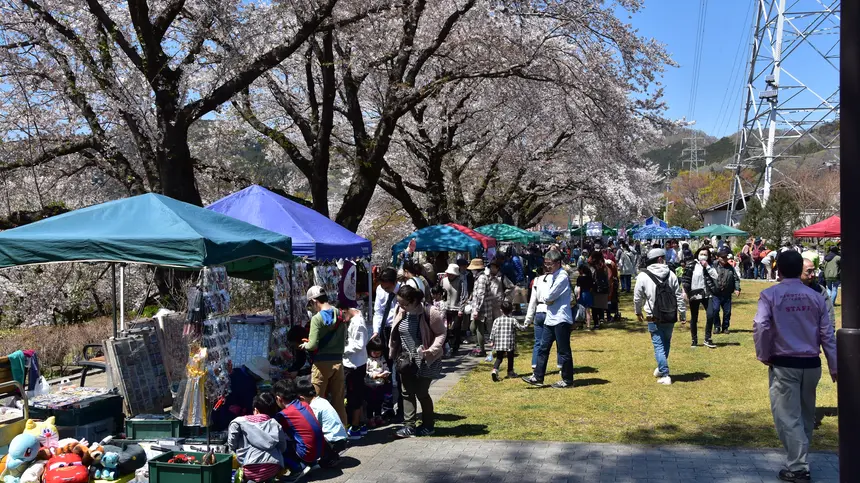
<point>327,277</point>
<point>216,333</point>
<point>283,313</point>
<point>346,287</point>
<point>300,285</point>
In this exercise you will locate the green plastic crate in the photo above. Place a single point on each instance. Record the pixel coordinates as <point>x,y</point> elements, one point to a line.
<point>150,429</point>
<point>160,471</point>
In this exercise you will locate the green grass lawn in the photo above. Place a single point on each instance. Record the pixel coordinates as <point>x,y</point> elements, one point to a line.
<point>719,396</point>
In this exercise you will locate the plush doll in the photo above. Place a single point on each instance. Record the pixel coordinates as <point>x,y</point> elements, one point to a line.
<point>89,455</point>
<point>110,462</point>
<point>130,458</point>
<point>23,450</point>
<point>45,430</point>
<point>66,468</point>
<point>33,474</point>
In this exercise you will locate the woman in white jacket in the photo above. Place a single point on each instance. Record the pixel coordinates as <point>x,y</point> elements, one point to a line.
<point>536,313</point>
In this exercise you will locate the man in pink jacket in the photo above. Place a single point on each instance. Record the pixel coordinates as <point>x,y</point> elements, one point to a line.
<point>790,327</point>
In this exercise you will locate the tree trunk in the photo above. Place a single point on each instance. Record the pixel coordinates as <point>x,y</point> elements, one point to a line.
<point>176,168</point>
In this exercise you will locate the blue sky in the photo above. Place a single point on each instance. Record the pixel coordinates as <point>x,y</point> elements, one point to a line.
<point>725,54</point>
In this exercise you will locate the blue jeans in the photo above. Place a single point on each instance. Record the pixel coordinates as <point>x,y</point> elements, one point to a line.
<point>833,289</point>
<point>661,337</point>
<point>626,282</point>
<point>540,317</point>
<point>724,303</point>
<point>560,334</point>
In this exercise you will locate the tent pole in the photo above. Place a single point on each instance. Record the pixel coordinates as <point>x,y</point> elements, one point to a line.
<point>122,297</point>
<point>113,295</point>
<point>581,232</point>
<point>369,267</point>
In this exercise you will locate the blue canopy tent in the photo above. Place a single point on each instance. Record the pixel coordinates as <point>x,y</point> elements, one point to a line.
<point>653,220</point>
<point>678,232</point>
<point>313,235</point>
<point>650,232</point>
<point>149,229</point>
<point>439,238</point>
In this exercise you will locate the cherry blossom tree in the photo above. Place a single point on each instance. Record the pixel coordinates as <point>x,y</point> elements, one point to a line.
<point>140,71</point>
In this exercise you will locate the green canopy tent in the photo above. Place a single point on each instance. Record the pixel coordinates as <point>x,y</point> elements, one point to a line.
<point>508,233</point>
<point>721,230</point>
<point>149,229</point>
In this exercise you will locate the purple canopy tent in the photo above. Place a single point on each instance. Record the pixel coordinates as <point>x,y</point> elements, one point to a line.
<point>314,236</point>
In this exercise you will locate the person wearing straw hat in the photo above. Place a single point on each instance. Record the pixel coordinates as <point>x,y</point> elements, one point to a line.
<point>454,286</point>
<point>490,290</point>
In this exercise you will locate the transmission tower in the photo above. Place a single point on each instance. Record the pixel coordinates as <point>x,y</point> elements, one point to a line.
<point>792,89</point>
<point>694,162</point>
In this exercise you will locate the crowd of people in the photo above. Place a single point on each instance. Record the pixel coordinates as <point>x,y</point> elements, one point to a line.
<point>368,375</point>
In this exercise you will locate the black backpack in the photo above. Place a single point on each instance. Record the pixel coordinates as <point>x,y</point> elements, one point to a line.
<point>725,280</point>
<point>665,308</point>
<point>601,282</point>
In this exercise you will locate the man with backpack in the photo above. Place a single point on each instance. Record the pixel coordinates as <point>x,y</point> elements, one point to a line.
<point>727,284</point>
<point>326,342</point>
<point>659,295</point>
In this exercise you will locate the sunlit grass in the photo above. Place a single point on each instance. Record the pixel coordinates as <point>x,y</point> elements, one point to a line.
<point>720,396</point>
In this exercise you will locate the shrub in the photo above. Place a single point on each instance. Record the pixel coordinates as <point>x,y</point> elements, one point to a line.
<point>58,347</point>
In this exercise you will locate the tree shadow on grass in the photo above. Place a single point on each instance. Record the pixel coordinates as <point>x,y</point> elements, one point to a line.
<point>589,382</point>
<point>462,431</point>
<point>690,377</point>
<point>725,344</point>
<point>824,412</point>
<point>736,430</point>
<point>448,417</point>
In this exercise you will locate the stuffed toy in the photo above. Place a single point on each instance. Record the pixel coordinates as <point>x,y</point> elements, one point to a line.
<point>131,457</point>
<point>45,430</point>
<point>89,455</point>
<point>23,450</point>
<point>109,463</point>
<point>66,468</point>
<point>33,474</point>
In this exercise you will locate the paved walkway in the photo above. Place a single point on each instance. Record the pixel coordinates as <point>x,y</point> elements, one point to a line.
<point>444,460</point>
<point>382,458</point>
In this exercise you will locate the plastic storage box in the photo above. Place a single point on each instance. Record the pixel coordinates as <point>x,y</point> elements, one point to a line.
<point>84,412</point>
<point>151,429</point>
<point>92,432</point>
<point>160,471</point>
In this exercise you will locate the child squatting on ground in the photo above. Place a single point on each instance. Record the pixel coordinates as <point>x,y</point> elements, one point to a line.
<point>503,338</point>
<point>305,440</point>
<point>333,429</point>
<point>258,441</point>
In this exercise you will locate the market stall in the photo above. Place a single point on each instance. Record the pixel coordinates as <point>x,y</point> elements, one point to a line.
<point>154,230</point>
<point>488,242</point>
<point>829,228</point>
<point>438,238</point>
<point>718,230</point>
<point>508,233</point>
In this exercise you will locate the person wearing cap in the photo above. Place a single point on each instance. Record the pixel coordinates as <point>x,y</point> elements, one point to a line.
<point>243,387</point>
<point>326,344</point>
<point>790,328</point>
<point>645,301</point>
<point>727,285</point>
<point>809,278</point>
<point>454,286</point>
<point>490,290</point>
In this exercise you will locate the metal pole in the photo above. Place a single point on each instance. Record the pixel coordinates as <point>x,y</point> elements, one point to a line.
<point>122,297</point>
<point>113,295</point>
<point>581,229</point>
<point>848,338</point>
<point>771,134</point>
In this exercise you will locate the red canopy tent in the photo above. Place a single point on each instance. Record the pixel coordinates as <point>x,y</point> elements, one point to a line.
<point>486,242</point>
<point>829,228</point>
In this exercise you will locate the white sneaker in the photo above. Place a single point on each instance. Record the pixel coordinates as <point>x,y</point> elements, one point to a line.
<point>665,380</point>
<point>657,372</point>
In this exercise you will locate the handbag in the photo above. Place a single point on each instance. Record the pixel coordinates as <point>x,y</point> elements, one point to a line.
<point>406,365</point>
